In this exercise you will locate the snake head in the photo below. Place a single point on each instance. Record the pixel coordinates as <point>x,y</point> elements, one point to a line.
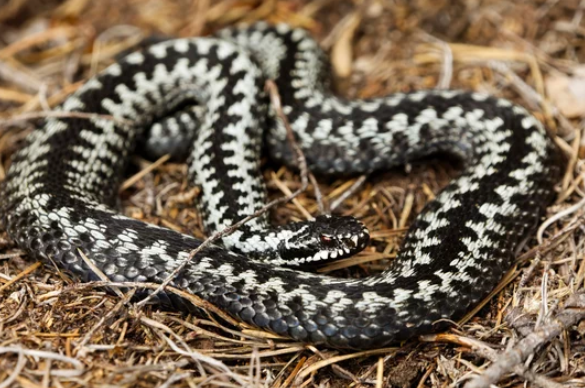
<point>323,239</point>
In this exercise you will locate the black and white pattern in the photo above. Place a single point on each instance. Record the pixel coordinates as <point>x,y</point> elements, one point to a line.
<point>61,186</point>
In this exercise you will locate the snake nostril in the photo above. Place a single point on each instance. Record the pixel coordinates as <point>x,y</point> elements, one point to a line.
<point>349,243</point>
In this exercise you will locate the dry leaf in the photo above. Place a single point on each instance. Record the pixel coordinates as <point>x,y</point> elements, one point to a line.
<point>568,92</point>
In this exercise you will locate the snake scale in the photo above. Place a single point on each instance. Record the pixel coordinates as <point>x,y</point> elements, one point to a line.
<point>60,190</point>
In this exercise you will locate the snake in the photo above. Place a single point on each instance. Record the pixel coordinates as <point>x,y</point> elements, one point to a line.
<point>61,187</point>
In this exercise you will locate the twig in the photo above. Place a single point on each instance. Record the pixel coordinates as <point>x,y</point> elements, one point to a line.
<point>23,304</point>
<point>344,373</point>
<point>428,372</point>
<point>380,373</point>
<point>87,337</point>
<point>408,204</point>
<point>49,356</point>
<point>530,270</point>
<point>318,194</point>
<point>21,275</point>
<point>552,242</point>
<point>140,174</point>
<point>302,165</point>
<point>557,217</point>
<point>286,191</point>
<point>446,74</point>
<point>10,8</point>
<point>349,192</point>
<point>20,364</point>
<point>56,34</point>
<point>117,31</point>
<point>98,272</point>
<point>24,79</point>
<point>175,377</point>
<point>290,136</point>
<point>4,256</point>
<point>507,362</point>
<point>196,356</point>
<point>531,96</point>
<point>336,359</point>
<point>486,351</point>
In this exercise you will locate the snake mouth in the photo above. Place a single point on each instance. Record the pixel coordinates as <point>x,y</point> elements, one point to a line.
<point>330,247</point>
<point>346,244</point>
<point>336,247</point>
<point>323,257</point>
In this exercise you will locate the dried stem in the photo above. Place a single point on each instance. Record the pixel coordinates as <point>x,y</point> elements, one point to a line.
<point>506,362</point>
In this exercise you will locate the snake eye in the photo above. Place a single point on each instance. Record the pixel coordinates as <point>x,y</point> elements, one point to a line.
<point>326,240</point>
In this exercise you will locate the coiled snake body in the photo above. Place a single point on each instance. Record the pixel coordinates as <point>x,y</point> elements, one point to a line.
<point>60,187</point>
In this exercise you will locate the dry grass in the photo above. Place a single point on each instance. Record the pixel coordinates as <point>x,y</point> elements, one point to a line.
<point>79,335</point>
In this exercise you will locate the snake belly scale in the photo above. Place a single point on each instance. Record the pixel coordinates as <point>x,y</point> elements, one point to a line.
<point>60,187</point>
